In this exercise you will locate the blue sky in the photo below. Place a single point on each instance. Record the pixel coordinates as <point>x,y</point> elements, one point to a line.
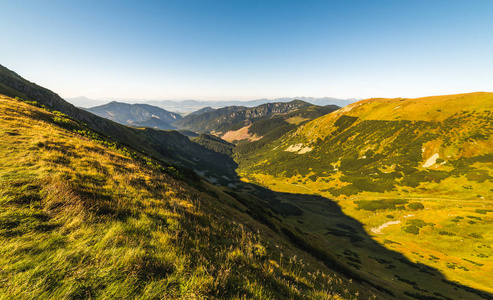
<point>250,49</point>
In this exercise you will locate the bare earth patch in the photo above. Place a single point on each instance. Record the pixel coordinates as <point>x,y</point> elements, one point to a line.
<point>240,134</point>
<point>378,230</point>
<point>431,161</point>
<point>298,148</point>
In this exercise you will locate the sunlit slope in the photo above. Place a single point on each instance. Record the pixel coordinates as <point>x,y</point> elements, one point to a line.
<point>84,218</point>
<point>435,108</point>
<point>418,173</point>
<point>435,146</point>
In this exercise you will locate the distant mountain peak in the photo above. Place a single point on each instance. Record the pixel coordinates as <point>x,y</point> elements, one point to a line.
<point>127,114</point>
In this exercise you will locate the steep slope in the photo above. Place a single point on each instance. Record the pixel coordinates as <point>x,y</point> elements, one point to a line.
<point>83,218</point>
<point>167,146</point>
<point>233,118</point>
<point>152,122</point>
<point>125,113</point>
<point>418,173</point>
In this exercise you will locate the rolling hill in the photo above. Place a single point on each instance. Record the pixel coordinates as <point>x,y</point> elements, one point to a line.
<point>418,173</point>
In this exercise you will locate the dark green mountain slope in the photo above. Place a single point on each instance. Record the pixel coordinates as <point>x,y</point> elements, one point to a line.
<point>205,122</point>
<point>167,146</point>
<point>125,113</point>
<point>214,143</point>
<point>387,145</point>
<point>232,118</point>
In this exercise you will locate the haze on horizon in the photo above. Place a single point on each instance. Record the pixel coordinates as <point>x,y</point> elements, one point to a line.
<point>244,50</point>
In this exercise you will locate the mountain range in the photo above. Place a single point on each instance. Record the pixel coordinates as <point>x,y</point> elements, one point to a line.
<point>187,106</point>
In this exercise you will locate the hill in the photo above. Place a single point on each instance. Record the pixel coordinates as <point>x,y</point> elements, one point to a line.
<point>85,216</point>
<point>418,173</point>
<point>194,105</point>
<point>125,114</point>
<point>395,142</point>
<point>234,117</point>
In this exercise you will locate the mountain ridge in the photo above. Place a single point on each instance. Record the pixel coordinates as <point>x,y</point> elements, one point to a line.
<point>193,105</point>
<point>235,117</point>
<point>125,114</point>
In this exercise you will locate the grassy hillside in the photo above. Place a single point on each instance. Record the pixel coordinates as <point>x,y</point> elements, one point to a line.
<point>82,218</point>
<point>93,209</point>
<point>418,173</point>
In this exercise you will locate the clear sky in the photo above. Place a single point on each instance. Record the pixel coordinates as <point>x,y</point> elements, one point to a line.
<point>239,50</point>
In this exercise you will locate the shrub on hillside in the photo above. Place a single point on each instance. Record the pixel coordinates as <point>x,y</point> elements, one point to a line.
<point>413,229</point>
<point>373,205</point>
<point>415,206</point>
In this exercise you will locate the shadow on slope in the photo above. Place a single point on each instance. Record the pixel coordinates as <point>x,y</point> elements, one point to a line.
<point>318,226</point>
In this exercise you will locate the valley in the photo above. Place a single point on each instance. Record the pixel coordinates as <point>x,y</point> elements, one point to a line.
<point>237,150</point>
<point>300,201</point>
